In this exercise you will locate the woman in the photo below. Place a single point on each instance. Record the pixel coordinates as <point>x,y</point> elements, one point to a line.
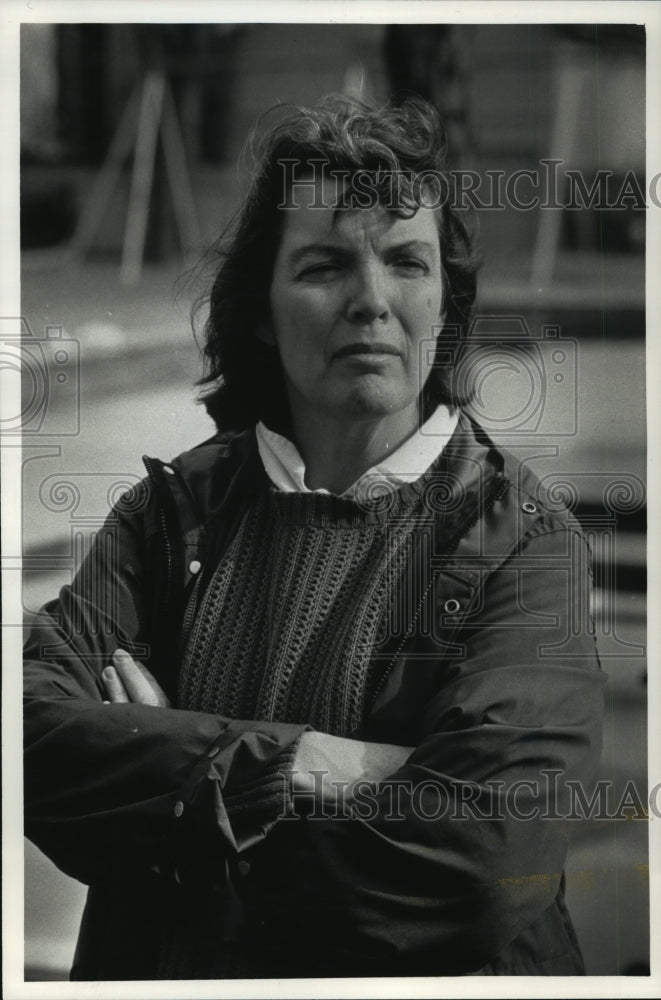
<point>309,706</point>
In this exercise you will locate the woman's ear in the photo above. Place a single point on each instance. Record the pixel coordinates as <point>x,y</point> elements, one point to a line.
<point>265,334</point>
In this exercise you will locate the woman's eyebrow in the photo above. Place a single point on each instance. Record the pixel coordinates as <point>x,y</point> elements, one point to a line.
<point>419,246</point>
<point>332,249</point>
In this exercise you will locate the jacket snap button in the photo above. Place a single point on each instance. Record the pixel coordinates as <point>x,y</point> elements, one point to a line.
<point>178,809</point>
<point>243,867</point>
<point>529,508</point>
<point>168,469</point>
<point>195,567</point>
<point>451,607</point>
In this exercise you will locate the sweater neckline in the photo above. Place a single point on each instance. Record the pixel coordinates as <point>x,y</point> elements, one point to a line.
<point>376,505</point>
<point>440,489</point>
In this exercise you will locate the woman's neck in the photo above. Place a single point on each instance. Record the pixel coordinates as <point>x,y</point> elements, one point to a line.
<point>337,453</point>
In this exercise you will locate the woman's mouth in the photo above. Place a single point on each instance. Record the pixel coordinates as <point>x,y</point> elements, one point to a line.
<point>374,350</point>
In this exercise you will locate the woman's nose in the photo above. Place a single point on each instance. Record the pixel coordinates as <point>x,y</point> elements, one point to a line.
<point>368,297</point>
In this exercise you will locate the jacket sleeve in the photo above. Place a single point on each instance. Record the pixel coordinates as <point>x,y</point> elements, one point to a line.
<point>110,786</point>
<point>441,867</point>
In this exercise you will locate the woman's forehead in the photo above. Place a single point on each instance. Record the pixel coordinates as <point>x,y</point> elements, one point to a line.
<point>316,222</point>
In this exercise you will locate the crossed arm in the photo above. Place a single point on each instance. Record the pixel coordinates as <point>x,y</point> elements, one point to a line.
<point>105,784</point>
<point>342,760</point>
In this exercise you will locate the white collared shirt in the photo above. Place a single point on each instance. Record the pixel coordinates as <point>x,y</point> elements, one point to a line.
<point>286,469</point>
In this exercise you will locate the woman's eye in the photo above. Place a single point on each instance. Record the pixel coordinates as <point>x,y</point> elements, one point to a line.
<point>411,264</point>
<point>327,269</point>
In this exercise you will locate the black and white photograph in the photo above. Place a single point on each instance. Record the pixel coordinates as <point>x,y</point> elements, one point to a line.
<point>325,488</point>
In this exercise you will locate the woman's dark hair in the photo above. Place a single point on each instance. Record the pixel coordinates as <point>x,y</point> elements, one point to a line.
<point>243,380</point>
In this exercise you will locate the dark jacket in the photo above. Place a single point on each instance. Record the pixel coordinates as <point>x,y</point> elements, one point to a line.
<point>181,822</point>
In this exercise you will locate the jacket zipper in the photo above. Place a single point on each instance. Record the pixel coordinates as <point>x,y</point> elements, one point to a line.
<point>166,545</point>
<point>189,613</point>
<point>150,466</point>
<point>497,491</point>
<point>163,608</point>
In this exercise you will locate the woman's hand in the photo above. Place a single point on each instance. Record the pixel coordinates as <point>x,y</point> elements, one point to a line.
<point>129,681</point>
<point>336,759</point>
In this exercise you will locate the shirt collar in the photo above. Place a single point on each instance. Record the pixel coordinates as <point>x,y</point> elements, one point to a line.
<point>286,469</point>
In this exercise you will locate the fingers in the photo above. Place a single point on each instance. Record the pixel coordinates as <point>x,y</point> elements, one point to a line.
<point>141,687</point>
<point>115,690</point>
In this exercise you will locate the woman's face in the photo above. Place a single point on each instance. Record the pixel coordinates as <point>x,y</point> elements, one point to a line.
<point>356,301</point>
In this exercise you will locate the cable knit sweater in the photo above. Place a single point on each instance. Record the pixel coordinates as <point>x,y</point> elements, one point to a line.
<point>300,602</point>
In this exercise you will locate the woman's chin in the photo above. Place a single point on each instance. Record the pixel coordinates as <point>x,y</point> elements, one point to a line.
<point>371,399</point>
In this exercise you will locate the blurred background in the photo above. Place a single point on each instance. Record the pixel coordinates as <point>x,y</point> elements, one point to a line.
<point>130,137</point>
